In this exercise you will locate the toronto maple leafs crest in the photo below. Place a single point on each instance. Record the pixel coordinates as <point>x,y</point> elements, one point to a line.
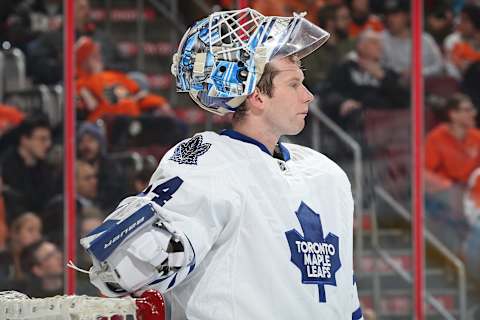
<point>317,257</point>
<point>188,152</point>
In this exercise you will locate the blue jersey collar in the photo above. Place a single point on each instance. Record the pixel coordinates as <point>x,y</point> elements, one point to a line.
<point>239,136</point>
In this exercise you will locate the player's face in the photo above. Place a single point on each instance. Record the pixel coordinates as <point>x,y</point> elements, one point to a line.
<point>286,110</point>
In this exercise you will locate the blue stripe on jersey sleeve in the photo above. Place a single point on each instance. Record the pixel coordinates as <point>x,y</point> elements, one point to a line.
<point>357,315</point>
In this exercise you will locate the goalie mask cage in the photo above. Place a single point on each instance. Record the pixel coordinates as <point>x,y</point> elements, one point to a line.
<point>15,306</point>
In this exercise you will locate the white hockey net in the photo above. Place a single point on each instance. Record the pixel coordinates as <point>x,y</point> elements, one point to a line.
<point>15,306</point>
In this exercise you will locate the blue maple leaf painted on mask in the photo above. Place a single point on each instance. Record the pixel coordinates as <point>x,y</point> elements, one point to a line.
<point>317,257</point>
<point>188,152</point>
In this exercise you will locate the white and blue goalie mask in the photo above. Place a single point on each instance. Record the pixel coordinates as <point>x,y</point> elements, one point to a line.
<point>221,58</point>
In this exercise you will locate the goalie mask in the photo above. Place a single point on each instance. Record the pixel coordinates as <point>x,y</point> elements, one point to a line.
<point>221,58</point>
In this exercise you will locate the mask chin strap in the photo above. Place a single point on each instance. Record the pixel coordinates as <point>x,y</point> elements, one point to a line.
<point>235,102</point>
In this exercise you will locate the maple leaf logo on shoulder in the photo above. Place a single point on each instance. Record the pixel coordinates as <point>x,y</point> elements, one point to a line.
<point>188,152</point>
<point>317,257</point>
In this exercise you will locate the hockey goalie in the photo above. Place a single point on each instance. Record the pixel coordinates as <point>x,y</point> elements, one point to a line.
<point>236,224</point>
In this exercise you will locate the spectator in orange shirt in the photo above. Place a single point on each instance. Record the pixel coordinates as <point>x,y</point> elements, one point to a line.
<point>453,184</point>
<point>452,153</point>
<point>453,148</point>
<point>104,92</point>
<point>362,19</point>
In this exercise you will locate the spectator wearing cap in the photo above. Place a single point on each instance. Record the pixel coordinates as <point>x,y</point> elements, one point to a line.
<point>26,174</point>
<point>42,264</point>
<point>92,148</point>
<point>362,18</point>
<point>462,47</point>
<point>109,93</point>
<point>439,20</point>
<point>398,43</point>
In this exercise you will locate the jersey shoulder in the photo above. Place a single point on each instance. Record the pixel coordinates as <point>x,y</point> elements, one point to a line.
<point>307,157</point>
<point>302,153</point>
<point>204,151</point>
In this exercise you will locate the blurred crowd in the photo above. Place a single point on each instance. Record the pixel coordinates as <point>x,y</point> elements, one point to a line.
<point>361,77</point>
<point>122,130</point>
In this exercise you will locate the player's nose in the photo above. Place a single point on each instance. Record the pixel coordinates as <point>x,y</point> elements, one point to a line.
<point>307,95</point>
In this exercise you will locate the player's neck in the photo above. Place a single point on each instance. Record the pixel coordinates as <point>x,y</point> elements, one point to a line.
<point>268,139</point>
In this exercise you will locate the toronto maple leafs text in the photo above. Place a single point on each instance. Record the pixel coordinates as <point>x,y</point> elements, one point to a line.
<point>316,258</point>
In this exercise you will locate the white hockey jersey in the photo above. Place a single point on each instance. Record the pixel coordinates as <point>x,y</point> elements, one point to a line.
<point>272,238</point>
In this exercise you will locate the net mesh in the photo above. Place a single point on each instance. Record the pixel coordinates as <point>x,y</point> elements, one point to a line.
<point>15,305</point>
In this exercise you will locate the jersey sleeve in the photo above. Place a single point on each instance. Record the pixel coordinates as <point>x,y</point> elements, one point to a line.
<point>196,200</point>
<point>189,206</point>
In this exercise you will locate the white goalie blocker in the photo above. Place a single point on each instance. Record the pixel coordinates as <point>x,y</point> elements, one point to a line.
<point>137,248</point>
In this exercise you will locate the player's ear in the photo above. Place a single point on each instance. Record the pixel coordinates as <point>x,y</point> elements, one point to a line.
<point>256,101</point>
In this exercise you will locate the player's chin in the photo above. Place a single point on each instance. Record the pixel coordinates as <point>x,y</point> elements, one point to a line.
<point>297,127</point>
